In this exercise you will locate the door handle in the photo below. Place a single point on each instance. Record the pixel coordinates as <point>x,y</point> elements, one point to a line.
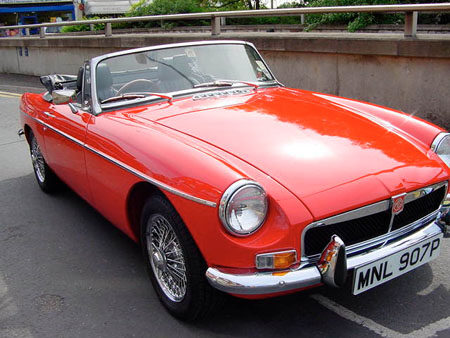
<point>49,114</point>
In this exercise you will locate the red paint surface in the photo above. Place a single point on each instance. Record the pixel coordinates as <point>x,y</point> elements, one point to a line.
<point>315,155</point>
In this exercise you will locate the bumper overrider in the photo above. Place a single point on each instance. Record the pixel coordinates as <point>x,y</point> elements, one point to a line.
<point>332,267</point>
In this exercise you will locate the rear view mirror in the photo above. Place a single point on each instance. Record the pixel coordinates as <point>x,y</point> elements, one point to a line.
<point>63,96</point>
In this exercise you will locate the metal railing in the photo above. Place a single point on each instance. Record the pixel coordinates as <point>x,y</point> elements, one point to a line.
<point>410,11</point>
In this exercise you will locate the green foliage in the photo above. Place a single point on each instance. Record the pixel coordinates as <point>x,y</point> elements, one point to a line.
<point>293,4</point>
<point>355,21</point>
<point>432,18</point>
<point>161,7</point>
<point>84,27</point>
<point>224,5</point>
<point>285,20</point>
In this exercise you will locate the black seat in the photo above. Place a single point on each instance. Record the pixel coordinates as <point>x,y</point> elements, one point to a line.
<point>104,82</point>
<point>80,79</point>
<point>79,84</point>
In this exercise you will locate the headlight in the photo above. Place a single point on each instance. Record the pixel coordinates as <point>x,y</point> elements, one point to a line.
<point>441,146</point>
<point>243,207</point>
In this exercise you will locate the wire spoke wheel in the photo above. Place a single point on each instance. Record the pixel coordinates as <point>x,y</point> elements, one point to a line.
<point>166,257</point>
<point>37,160</point>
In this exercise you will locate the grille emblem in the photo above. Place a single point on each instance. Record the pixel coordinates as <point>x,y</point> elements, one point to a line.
<point>398,203</point>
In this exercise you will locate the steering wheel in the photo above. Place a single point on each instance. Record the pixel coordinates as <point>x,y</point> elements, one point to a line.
<point>139,84</point>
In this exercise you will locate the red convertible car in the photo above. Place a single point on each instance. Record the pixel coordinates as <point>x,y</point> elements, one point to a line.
<point>233,183</point>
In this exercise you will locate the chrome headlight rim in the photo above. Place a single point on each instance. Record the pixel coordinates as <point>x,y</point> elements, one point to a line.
<point>227,196</point>
<point>437,142</point>
<point>438,139</point>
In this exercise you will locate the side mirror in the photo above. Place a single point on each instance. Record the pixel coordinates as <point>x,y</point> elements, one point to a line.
<point>63,96</point>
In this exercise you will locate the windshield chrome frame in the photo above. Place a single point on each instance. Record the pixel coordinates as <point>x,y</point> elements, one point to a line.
<point>97,107</point>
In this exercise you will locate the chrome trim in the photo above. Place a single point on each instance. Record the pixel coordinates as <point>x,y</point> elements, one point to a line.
<point>128,168</point>
<point>413,195</point>
<point>393,198</point>
<point>393,214</point>
<point>260,283</point>
<point>225,199</point>
<point>356,213</point>
<point>346,216</point>
<point>151,180</point>
<point>96,107</point>
<point>437,140</point>
<point>431,230</point>
<point>220,93</point>
<point>71,138</point>
<point>48,114</point>
<point>271,254</point>
<point>166,257</point>
<point>332,264</point>
<point>370,210</point>
<point>380,240</point>
<point>443,218</point>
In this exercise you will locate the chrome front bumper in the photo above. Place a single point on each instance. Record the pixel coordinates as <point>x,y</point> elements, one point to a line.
<point>260,283</point>
<point>444,216</point>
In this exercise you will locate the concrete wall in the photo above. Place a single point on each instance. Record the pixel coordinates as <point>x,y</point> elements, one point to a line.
<point>412,75</point>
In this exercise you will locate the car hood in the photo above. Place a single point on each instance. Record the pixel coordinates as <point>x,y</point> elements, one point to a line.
<point>332,157</point>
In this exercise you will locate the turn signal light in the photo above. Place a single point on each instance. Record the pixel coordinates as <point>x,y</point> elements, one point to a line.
<point>276,260</point>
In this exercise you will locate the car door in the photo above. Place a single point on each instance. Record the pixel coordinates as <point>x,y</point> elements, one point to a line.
<point>64,143</point>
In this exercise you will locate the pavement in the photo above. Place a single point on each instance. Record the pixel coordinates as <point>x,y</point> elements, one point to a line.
<point>18,83</point>
<point>65,271</point>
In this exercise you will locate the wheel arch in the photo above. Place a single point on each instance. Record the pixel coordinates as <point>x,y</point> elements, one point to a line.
<point>27,129</point>
<point>137,196</point>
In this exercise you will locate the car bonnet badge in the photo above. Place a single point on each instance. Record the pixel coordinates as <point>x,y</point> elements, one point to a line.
<point>398,203</point>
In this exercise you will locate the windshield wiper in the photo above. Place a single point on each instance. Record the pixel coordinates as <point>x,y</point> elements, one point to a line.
<point>225,83</point>
<point>123,97</point>
<point>136,96</point>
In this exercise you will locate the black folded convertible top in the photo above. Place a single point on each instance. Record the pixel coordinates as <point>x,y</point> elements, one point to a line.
<point>58,81</point>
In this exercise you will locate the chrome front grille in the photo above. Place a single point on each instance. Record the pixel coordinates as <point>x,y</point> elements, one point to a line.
<point>419,208</point>
<point>374,221</point>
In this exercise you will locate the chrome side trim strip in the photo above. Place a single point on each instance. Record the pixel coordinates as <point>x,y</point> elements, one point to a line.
<point>260,283</point>
<point>150,179</point>
<point>128,168</point>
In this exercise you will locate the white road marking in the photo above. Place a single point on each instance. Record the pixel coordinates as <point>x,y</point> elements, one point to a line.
<point>12,94</point>
<point>8,96</point>
<point>9,309</point>
<point>431,329</point>
<point>429,289</point>
<point>8,143</point>
<point>427,331</point>
<point>350,315</point>
<point>19,333</point>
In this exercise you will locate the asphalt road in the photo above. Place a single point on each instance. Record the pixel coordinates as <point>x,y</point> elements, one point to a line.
<point>67,272</point>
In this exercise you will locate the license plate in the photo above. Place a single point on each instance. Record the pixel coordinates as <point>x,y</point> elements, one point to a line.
<point>373,274</point>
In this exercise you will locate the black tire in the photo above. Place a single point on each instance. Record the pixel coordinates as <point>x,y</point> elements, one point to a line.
<point>45,177</point>
<point>199,299</point>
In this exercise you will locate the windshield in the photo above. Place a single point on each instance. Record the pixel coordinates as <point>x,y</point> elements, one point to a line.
<point>181,68</point>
